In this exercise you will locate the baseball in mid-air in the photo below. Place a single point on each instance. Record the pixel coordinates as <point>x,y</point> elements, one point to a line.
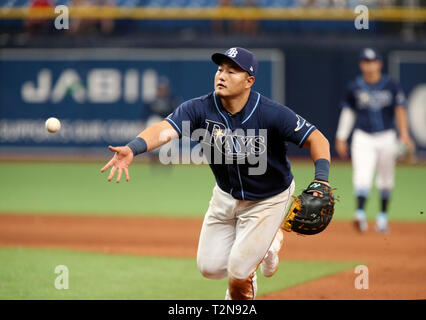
<point>53,125</point>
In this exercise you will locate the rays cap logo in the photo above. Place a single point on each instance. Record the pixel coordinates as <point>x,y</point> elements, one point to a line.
<point>369,54</point>
<point>244,58</point>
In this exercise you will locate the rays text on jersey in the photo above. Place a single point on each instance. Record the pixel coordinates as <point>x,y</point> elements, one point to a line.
<point>219,145</point>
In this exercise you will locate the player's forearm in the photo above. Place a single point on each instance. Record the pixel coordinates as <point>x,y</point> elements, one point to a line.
<point>320,154</point>
<point>401,121</point>
<point>153,137</point>
<point>158,134</point>
<point>319,146</point>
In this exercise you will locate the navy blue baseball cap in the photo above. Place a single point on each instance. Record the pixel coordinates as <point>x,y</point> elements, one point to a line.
<point>244,58</point>
<point>369,54</point>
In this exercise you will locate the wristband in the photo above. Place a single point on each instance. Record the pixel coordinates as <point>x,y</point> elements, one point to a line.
<point>322,169</point>
<point>138,146</point>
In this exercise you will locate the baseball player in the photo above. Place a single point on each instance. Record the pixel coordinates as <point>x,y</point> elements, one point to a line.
<point>371,105</point>
<point>235,124</point>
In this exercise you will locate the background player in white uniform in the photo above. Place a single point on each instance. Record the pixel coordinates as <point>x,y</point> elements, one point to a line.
<point>241,228</point>
<point>371,104</point>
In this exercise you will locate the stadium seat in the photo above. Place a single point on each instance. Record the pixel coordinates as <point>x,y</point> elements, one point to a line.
<point>15,3</point>
<point>203,25</point>
<point>202,3</point>
<point>128,3</point>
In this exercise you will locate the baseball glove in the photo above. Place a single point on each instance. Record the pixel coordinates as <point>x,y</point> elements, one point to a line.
<point>310,214</point>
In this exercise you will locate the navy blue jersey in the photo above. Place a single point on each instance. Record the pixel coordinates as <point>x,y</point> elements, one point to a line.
<point>374,104</point>
<point>262,127</point>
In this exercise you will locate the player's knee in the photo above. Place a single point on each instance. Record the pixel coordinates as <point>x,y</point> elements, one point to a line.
<point>238,270</point>
<point>211,269</point>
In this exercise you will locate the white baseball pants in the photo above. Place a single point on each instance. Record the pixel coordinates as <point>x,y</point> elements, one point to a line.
<point>370,153</point>
<point>236,234</point>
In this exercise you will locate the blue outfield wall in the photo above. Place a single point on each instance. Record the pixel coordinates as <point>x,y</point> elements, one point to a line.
<point>102,94</point>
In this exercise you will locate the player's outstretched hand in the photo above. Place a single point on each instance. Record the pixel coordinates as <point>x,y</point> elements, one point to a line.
<point>121,160</point>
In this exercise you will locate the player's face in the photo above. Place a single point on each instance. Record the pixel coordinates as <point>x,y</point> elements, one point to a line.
<point>230,80</point>
<point>370,67</point>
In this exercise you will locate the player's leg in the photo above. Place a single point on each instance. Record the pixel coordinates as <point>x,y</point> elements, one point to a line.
<point>269,264</point>
<point>217,235</point>
<point>386,144</point>
<point>242,289</point>
<point>364,158</point>
<point>257,225</point>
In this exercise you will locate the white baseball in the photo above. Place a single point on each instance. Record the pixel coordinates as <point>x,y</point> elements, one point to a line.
<point>53,124</point>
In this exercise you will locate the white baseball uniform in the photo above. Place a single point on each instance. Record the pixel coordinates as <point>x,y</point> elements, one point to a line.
<point>371,109</point>
<point>236,234</point>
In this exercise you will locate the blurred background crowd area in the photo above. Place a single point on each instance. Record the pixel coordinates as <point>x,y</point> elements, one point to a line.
<point>213,3</point>
<point>101,75</point>
<point>123,20</point>
<point>210,3</point>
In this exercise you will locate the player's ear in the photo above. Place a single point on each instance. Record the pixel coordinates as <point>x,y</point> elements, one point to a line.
<point>250,81</point>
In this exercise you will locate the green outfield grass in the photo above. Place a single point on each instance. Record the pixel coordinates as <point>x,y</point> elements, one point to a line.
<point>178,191</point>
<point>30,274</point>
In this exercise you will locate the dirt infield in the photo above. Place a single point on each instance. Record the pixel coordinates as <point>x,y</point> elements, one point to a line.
<point>396,262</point>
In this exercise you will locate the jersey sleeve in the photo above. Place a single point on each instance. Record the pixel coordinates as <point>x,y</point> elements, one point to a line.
<point>185,119</point>
<point>291,126</point>
<point>399,98</point>
<point>348,100</point>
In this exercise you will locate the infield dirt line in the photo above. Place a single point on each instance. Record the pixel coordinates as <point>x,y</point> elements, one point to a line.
<point>396,262</point>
